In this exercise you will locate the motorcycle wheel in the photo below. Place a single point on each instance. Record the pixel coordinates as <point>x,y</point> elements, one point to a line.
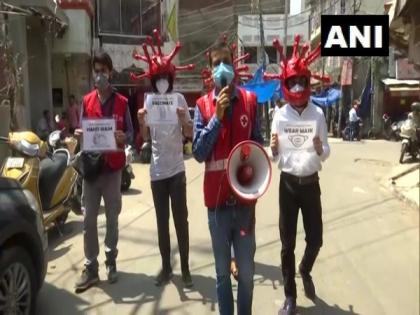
<point>404,149</point>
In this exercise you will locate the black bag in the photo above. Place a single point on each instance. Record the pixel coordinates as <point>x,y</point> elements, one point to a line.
<point>89,165</point>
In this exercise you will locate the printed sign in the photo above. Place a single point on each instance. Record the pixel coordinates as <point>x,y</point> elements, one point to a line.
<point>355,35</point>
<point>296,135</point>
<point>161,109</point>
<point>99,135</point>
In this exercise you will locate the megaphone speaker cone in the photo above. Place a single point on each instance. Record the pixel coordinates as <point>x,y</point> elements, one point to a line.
<point>249,170</point>
<point>245,174</point>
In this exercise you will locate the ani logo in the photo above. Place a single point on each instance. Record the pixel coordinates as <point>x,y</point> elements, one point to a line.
<point>244,121</point>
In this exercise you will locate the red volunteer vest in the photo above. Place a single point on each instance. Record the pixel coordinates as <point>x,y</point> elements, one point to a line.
<point>234,130</point>
<point>92,109</point>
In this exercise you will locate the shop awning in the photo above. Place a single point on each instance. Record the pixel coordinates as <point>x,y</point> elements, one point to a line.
<point>395,82</point>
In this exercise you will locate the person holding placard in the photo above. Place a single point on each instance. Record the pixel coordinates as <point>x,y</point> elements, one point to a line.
<point>300,142</point>
<point>105,129</point>
<point>165,119</point>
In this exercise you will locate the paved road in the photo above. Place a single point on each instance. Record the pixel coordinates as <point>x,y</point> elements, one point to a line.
<point>368,264</point>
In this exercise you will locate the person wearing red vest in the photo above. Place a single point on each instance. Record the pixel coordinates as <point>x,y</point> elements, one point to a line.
<point>223,118</point>
<point>104,102</point>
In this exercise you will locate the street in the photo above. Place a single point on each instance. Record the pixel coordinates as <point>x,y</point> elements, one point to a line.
<point>368,264</point>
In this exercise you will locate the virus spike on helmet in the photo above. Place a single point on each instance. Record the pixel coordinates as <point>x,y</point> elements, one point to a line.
<point>158,63</point>
<point>296,66</point>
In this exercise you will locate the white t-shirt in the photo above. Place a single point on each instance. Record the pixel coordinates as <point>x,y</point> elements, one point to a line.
<point>302,163</point>
<point>167,146</point>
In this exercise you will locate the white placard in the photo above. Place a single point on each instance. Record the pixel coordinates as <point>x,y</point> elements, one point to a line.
<point>161,109</point>
<point>99,135</point>
<point>296,135</point>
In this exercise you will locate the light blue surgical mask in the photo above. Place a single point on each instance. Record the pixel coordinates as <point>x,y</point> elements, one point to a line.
<point>223,75</point>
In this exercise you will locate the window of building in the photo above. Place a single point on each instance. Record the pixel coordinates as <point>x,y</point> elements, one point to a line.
<point>128,18</point>
<point>253,51</point>
<point>272,54</point>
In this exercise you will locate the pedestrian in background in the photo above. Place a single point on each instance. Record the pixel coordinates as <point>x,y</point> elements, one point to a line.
<point>354,121</point>
<point>73,113</point>
<point>103,102</point>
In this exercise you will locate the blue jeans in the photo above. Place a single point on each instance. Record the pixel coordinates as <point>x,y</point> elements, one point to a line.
<point>233,226</point>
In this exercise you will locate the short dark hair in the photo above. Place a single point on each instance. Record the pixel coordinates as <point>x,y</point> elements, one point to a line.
<point>170,81</point>
<point>45,112</point>
<point>102,58</point>
<point>218,47</point>
<point>72,97</point>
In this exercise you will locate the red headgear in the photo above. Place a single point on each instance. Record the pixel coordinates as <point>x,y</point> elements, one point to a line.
<point>241,71</point>
<point>158,63</point>
<point>297,65</point>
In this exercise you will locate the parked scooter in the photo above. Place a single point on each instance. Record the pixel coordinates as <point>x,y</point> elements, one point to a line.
<point>49,176</point>
<point>392,129</point>
<point>410,133</point>
<point>127,172</point>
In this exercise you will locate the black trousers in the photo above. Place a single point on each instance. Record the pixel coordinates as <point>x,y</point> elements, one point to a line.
<point>295,196</point>
<point>175,190</point>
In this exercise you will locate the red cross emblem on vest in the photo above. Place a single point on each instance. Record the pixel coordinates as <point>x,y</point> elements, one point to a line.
<point>244,121</point>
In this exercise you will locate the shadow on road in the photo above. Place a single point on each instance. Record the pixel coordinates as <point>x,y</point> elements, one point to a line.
<point>132,192</point>
<point>55,238</point>
<point>69,303</point>
<point>132,288</point>
<point>269,273</point>
<point>321,307</point>
<point>205,286</point>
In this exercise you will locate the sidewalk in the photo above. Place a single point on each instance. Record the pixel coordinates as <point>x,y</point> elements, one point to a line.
<point>404,182</point>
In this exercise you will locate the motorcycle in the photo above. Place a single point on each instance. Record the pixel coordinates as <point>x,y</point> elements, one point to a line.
<point>392,129</point>
<point>410,134</point>
<point>48,175</point>
<point>127,172</point>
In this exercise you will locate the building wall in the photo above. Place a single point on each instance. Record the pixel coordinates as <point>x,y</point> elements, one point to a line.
<point>78,38</point>
<point>39,69</point>
<point>17,32</point>
<point>77,69</point>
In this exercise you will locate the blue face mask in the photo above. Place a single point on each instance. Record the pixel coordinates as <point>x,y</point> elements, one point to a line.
<point>223,75</point>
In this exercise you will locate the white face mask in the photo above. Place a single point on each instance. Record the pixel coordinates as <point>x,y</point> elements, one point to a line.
<point>162,85</point>
<point>297,88</point>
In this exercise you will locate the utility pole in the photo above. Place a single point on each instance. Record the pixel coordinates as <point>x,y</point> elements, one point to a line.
<point>263,63</point>
<point>286,14</point>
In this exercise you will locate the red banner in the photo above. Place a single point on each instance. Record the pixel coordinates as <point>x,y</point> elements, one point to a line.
<point>347,72</point>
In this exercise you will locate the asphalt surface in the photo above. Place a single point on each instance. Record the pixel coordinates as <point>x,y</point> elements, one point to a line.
<point>369,263</point>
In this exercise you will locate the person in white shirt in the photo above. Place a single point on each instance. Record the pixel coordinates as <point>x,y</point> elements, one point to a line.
<point>354,120</point>
<point>299,181</point>
<point>165,119</point>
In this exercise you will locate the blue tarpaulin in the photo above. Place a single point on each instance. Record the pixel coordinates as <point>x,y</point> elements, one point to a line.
<point>327,98</point>
<point>264,89</point>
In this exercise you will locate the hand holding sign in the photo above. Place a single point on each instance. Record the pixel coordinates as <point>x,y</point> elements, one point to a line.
<point>318,145</point>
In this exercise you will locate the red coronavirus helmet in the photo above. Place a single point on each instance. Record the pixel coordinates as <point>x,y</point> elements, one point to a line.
<point>296,66</point>
<point>159,64</point>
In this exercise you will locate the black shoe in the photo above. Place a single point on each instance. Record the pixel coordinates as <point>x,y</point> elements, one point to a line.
<point>308,285</point>
<point>111,273</point>
<point>186,278</point>
<point>86,280</point>
<point>289,307</point>
<point>163,278</point>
